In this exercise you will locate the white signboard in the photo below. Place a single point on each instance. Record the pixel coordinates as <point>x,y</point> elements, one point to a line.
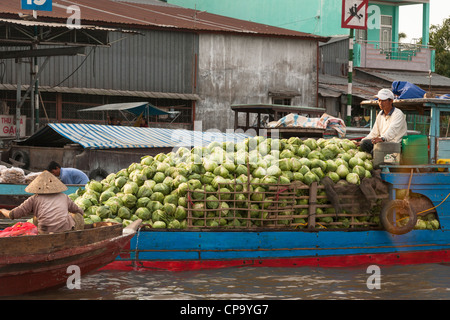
<point>354,14</point>
<point>8,126</point>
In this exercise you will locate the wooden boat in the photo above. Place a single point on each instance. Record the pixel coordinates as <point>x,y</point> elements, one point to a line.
<point>361,244</point>
<point>37,262</point>
<point>316,245</point>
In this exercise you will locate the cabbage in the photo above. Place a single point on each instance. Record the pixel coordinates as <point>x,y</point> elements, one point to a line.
<point>274,170</point>
<point>304,169</point>
<point>259,172</point>
<point>331,166</point>
<point>368,165</point>
<point>218,181</point>
<point>130,187</point>
<point>212,202</point>
<point>103,212</point>
<point>309,178</point>
<point>311,143</point>
<point>360,171</point>
<point>169,208</point>
<point>159,225</point>
<point>124,213</point>
<point>353,178</point>
<point>162,188</point>
<point>198,209</point>
<point>318,172</point>
<point>106,195</point>
<point>317,163</point>
<point>174,224</point>
<point>144,191</point>
<point>129,200</point>
<point>159,177</point>
<point>114,203</point>
<point>297,176</point>
<point>83,203</point>
<point>361,154</point>
<point>180,213</point>
<point>342,171</point>
<point>94,186</point>
<point>73,196</point>
<point>95,218</point>
<point>420,225</point>
<point>86,221</point>
<point>142,202</point>
<point>156,196</point>
<point>303,151</point>
<point>333,176</point>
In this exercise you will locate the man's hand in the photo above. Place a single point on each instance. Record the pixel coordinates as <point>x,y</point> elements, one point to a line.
<point>376,140</point>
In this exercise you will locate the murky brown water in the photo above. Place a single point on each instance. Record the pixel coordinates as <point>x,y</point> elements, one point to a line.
<point>429,281</point>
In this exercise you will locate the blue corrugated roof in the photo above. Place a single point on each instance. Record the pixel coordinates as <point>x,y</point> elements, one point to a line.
<point>105,137</point>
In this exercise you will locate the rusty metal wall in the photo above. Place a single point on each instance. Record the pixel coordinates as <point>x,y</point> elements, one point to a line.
<point>242,70</point>
<point>160,61</point>
<point>334,58</point>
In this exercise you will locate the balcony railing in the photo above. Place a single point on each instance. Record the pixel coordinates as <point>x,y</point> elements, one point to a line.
<point>393,55</point>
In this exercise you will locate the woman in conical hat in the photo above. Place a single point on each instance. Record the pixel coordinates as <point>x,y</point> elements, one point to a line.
<point>53,209</point>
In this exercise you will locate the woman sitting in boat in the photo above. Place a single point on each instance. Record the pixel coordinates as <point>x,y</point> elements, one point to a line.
<point>53,210</point>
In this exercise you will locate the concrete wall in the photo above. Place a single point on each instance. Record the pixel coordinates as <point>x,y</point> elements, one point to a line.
<point>242,69</point>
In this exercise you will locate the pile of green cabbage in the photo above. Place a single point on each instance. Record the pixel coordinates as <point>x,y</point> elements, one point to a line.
<point>156,189</point>
<point>429,222</point>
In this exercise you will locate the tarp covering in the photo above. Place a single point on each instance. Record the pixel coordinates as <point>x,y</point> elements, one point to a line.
<point>407,90</point>
<point>136,108</point>
<point>107,137</point>
<point>293,120</point>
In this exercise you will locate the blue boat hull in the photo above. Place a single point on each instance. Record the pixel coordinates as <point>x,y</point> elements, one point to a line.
<point>188,250</point>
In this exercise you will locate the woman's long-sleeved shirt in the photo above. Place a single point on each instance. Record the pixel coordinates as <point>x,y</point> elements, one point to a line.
<point>50,210</point>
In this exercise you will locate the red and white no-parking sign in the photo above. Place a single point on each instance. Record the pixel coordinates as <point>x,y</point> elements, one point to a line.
<point>354,14</point>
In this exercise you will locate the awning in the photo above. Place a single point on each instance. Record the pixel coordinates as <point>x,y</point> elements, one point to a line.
<point>137,108</point>
<point>95,136</point>
<point>109,92</point>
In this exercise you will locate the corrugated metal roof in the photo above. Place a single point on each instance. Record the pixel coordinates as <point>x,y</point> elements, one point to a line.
<point>32,23</point>
<point>415,77</point>
<point>124,137</point>
<point>114,13</point>
<point>109,92</point>
<point>333,86</point>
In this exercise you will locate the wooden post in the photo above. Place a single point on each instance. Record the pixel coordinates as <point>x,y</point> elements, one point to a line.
<point>312,205</point>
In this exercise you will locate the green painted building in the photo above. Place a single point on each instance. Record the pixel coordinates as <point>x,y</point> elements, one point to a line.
<point>323,17</point>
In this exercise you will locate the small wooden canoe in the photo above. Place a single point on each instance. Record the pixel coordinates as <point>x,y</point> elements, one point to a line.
<point>38,262</point>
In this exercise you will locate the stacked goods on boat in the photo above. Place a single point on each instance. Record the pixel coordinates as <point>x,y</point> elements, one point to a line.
<point>255,183</point>
<point>14,175</point>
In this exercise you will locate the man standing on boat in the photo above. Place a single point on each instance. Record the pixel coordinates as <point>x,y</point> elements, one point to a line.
<point>390,124</point>
<point>53,210</point>
<point>68,175</point>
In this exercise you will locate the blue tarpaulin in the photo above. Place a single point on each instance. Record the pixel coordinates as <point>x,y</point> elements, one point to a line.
<point>407,90</point>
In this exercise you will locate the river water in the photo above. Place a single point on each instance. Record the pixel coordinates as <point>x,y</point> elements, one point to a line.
<point>414,282</point>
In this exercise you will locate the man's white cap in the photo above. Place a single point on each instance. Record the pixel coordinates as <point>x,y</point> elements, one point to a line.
<point>385,94</point>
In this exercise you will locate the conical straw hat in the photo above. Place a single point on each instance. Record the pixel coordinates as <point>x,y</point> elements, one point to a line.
<point>46,183</point>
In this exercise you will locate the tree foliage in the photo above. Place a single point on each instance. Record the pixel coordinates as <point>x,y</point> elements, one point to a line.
<point>440,41</point>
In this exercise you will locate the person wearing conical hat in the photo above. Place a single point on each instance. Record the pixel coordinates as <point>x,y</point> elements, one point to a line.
<point>51,207</point>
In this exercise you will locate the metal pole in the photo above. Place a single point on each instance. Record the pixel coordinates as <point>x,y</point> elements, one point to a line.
<point>36,99</point>
<point>350,79</point>
<point>32,95</point>
<point>18,96</point>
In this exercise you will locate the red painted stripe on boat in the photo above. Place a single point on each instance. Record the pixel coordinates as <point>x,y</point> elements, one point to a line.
<point>399,258</point>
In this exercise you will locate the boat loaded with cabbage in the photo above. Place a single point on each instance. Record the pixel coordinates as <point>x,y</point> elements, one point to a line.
<point>282,202</point>
<point>277,202</point>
